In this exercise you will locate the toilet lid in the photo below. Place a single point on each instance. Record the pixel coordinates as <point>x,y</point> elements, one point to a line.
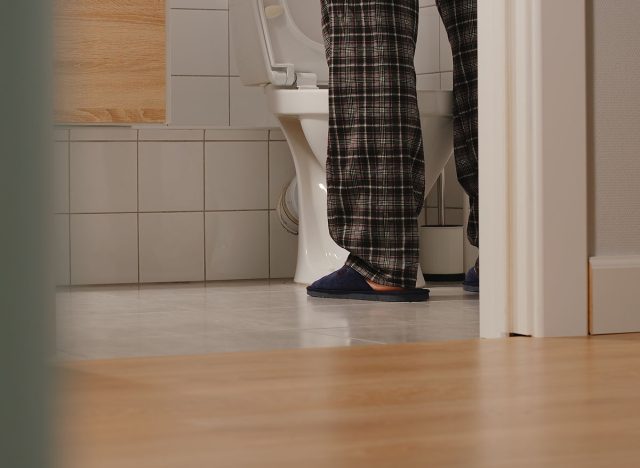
<point>293,32</point>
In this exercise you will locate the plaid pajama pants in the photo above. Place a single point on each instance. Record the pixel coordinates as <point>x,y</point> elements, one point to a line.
<point>375,162</point>
<point>460,18</point>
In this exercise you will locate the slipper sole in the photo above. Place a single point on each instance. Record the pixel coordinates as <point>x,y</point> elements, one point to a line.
<point>419,295</point>
<point>471,288</point>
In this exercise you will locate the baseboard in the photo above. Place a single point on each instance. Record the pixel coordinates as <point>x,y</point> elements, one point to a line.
<point>614,294</point>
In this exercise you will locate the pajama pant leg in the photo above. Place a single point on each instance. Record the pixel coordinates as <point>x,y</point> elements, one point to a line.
<point>460,20</point>
<point>375,161</point>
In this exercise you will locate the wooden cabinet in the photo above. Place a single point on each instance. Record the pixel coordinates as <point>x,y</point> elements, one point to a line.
<point>110,61</point>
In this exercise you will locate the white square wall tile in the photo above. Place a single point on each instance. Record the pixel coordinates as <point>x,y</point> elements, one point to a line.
<point>281,170</point>
<point>103,177</point>
<point>446,81</point>
<point>170,134</point>
<point>432,216</point>
<point>427,59</point>
<point>171,247</point>
<point>233,134</point>
<point>199,100</point>
<point>283,249</point>
<point>237,245</point>
<point>249,106</point>
<point>452,189</point>
<point>454,217</point>
<point>276,135</point>
<point>60,256</point>
<point>61,177</point>
<point>428,82</point>
<point>233,65</point>
<point>236,175</point>
<point>453,192</point>
<point>171,176</point>
<point>199,42</point>
<point>60,134</point>
<point>103,133</point>
<point>104,248</point>
<point>446,56</point>
<point>200,4</point>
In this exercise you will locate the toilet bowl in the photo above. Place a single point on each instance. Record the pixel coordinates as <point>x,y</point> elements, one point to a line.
<point>278,45</point>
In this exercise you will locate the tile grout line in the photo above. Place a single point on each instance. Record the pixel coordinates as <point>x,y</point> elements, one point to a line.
<point>204,203</point>
<point>268,206</point>
<point>229,65</point>
<point>69,200</point>
<point>138,196</point>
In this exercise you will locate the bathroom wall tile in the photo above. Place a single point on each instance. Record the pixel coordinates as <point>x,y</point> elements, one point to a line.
<point>427,47</point>
<point>171,176</point>
<point>432,216</point>
<point>453,192</point>
<point>276,135</point>
<point>103,177</point>
<point>200,4</point>
<point>61,177</point>
<point>60,134</point>
<point>453,216</point>
<point>452,189</point>
<point>281,170</point>
<point>428,82</point>
<point>171,247</point>
<point>199,42</point>
<point>170,134</point>
<point>104,248</point>
<point>446,81</point>
<point>446,56</point>
<point>61,249</point>
<point>249,106</point>
<point>199,100</point>
<point>283,249</point>
<point>236,135</point>
<point>103,134</point>
<point>233,65</point>
<point>432,198</point>
<point>236,176</point>
<point>237,245</point>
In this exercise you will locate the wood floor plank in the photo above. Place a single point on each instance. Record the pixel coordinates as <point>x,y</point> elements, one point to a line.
<point>506,403</point>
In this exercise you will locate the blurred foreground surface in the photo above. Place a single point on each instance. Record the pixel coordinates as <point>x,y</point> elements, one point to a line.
<point>516,402</point>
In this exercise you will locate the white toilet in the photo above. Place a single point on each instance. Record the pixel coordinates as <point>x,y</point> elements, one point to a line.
<point>278,45</point>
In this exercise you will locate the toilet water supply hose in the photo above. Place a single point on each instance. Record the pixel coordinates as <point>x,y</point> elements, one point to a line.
<point>287,208</point>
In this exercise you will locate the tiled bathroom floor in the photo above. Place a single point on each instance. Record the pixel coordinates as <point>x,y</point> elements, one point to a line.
<point>160,320</point>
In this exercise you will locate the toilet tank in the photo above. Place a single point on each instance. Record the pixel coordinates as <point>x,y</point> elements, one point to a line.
<point>275,39</point>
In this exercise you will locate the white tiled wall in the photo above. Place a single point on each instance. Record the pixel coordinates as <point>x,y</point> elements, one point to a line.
<point>205,86</point>
<point>184,202</point>
<point>171,205</point>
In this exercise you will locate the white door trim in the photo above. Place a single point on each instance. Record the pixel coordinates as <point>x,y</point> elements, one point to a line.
<point>533,168</point>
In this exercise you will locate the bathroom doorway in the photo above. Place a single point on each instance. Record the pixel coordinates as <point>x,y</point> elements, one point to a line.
<point>533,178</point>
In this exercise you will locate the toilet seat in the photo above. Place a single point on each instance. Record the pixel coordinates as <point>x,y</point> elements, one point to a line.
<point>285,49</point>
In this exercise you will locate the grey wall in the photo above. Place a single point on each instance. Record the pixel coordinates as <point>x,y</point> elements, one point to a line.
<point>614,121</point>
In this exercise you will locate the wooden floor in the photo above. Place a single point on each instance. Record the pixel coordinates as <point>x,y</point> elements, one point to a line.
<point>514,403</point>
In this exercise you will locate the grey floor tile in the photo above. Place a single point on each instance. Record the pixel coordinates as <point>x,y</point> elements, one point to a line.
<point>173,319</point>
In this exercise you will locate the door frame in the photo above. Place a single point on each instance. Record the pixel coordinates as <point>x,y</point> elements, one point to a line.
<point>533,168</point>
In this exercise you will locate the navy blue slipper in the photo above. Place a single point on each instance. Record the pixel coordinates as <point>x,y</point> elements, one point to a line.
<point>472,280</point>
<point>346,283</point>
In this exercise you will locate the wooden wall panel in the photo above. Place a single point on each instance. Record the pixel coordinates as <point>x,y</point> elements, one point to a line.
<point>110,61</point>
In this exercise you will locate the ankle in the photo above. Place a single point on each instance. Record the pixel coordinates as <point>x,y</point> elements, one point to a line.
<point>384,287</point>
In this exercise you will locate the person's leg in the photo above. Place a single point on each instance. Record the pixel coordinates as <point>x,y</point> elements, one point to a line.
<point>375,162</point>
<point>460,20</point>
